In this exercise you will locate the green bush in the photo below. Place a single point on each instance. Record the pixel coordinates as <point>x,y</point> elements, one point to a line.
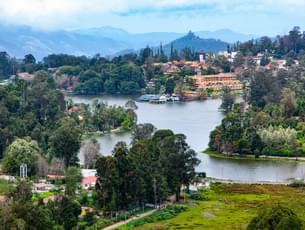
<point>276,218</point>
<point>197,196</point>
<point>100,224</point>
<point>165,214</point>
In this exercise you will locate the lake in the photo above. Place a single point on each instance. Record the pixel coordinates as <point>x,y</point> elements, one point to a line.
<point>196,119</point>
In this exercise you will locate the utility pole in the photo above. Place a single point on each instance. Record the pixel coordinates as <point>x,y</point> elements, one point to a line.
<point>155,192</point>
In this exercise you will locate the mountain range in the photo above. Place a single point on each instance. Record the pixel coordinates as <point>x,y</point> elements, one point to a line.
<point>107,41</point>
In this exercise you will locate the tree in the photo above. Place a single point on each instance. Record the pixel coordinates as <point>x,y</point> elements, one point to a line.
<point>288,102</point>
<point>29,63</point>
<point>177,160</point>
<point>6,66</point>
<point>23,192</point>
<point>170,86</point>
<point>227,100</point>
<point>264,60</point>
<point>131,104</point>
<point>154,167</point>
<point>264,88</point>
<point>142,132</point>
<point>21,151</point>
<point>238,60</point>
<point>66,140</point>
<point>42,166</point>
<point>123,167</point>
<point>21,213</point>
<point>91,153</point>
<point>106,185</point>
<point>68,212</point>
<point>73,177</point>
<point>276,218</point>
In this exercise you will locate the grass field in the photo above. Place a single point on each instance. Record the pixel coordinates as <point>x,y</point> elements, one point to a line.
<point>232,206</point>
<point>5,187</point>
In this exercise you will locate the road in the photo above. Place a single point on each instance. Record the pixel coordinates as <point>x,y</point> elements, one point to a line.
<point>116,225</point>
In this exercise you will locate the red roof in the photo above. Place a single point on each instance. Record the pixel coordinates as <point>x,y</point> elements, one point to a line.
<point>89,180</point>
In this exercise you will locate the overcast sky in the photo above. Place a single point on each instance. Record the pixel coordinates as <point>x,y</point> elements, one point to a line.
<point>247,16</point>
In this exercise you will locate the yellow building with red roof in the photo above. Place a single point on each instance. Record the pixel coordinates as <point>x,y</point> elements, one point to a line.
<point>217,82</point>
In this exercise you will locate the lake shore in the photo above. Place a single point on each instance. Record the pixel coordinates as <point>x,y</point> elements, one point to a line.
<point>237,156</point>
<point>89,135</point>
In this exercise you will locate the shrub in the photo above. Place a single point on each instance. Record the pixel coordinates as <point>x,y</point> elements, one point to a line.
<point>277,217</point>
<point>165,214</point>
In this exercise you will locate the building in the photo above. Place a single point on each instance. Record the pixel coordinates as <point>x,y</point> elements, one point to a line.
<point>26,76</point>
<point>89,178</point>
<point>88,172</point>
<point>89,182</point>
<point>42,186</point>
<point>217,82</point>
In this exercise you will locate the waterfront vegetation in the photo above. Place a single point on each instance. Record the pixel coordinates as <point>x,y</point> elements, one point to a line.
<point>101,117</point>
<point>273,122</point>
<point>232,206</point>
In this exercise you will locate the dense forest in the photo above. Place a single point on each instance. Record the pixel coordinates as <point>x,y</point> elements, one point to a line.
<point>38,111</point>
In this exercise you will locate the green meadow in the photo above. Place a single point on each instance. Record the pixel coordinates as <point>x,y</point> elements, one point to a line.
<point>230,206</point>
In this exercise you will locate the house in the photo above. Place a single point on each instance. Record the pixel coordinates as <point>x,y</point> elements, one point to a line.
<point>42,186</point>
<point>89,182</point>
<point>88,172</point>
<point>89,178</point>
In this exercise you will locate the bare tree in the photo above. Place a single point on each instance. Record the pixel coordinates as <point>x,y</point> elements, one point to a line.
<point>42,167</point>
<point>57,167</point>
<point>91,153</point>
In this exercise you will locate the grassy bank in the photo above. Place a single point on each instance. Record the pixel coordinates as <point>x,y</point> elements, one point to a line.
<point>232,206</point>
<point>251,157</point>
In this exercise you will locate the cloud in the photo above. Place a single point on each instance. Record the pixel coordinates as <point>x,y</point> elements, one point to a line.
<point>50,14</point>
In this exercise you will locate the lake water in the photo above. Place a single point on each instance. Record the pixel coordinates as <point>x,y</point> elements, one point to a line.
<point>196,120</point>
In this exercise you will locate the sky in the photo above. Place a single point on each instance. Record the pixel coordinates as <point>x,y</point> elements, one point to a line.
<point>260,17</point>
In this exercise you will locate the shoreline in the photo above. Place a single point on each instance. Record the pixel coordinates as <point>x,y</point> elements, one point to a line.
<point>252,157</point>
<point>89,135</point>
<point>228,181</point>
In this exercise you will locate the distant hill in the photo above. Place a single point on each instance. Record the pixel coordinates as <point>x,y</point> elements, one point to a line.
<point>18,41</point>
<point>196,44</point>
<point>226,35</point>
<point>135,41</point>
<point>107,41</point>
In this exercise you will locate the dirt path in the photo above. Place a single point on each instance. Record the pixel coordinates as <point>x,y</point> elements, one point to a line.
<point>116,225</point>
